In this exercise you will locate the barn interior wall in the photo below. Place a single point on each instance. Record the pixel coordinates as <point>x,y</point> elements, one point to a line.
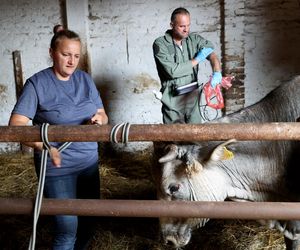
<point>121,51</point>
<point>272,41</point>
<point>233,52</point>
<point>26,25</point>
<point>263,35</point>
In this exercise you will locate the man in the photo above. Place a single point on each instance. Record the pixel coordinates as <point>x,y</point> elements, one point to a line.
<point>177,55</point>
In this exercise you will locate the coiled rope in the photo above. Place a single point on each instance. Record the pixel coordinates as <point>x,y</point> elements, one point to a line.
<point>42,175</point>
<point>125,132</point>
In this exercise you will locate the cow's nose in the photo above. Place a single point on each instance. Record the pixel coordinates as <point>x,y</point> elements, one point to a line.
<point>174,187</point>
<point>172,242</point>
<point>169,243</point>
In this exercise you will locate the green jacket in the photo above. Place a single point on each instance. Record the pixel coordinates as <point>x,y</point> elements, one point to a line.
<point>174,65</point>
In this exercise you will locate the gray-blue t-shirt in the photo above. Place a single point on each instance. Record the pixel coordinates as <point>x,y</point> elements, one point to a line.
<point>47,99</point>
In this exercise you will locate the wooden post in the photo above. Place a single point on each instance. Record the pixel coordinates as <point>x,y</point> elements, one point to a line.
<point>19,86</point>
<point>77,20</point>
<point>18,72</point>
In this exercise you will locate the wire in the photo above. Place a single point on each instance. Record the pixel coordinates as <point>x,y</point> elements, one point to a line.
<point>203,108</point>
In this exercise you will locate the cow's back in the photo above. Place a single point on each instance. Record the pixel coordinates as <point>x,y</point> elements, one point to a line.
<point>280,105</point>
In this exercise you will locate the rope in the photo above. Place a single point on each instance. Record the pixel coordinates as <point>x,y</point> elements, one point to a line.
<point>41,183</point>
<point>125,132</point>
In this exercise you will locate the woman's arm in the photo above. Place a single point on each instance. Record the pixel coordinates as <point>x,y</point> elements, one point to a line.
<point>21,120</point>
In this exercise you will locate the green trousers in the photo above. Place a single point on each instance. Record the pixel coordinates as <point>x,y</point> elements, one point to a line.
<point>181,109</point>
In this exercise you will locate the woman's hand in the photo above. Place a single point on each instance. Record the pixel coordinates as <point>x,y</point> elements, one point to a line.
<point>54,154</point>
<point>55,157</point>
<point>99,118</point>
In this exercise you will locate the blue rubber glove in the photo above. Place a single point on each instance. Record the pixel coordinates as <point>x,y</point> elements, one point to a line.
<point>216,79</point>
<point>203,53</point>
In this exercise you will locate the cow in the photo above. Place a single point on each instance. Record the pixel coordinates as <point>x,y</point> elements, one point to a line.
<point>234,170</point>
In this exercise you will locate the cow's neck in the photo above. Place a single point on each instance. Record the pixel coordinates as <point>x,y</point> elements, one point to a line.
<point>209,185</point>
<point>247,182</point>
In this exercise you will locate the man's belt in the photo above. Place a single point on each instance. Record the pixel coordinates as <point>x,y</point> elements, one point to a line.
<point>185,88</point>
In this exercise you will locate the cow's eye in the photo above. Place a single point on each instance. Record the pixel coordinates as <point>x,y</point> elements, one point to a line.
<point>174,187</point>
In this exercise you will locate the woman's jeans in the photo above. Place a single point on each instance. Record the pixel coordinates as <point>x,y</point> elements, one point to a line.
<point>73,232</point>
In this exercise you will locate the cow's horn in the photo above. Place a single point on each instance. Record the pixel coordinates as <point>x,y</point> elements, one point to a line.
<point>228,142</point>
<point>171,155</point>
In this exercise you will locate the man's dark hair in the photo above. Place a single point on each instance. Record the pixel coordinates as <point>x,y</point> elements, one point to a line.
<point>177,11</point>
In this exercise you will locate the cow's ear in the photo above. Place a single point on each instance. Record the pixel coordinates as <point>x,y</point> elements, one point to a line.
<point>221,153</point>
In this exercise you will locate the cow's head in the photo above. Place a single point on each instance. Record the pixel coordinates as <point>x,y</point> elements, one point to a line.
<point>190,173</point>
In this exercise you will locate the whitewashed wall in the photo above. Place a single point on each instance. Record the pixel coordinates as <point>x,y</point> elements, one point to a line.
<point>26,25</point>
<point>272,38</point>
<point>120,37</point>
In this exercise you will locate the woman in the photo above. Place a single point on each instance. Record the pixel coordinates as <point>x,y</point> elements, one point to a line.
<point>57,95</point>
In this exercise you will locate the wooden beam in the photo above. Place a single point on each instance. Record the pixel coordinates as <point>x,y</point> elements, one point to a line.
<point>18,72</point>
<point>77,20</point>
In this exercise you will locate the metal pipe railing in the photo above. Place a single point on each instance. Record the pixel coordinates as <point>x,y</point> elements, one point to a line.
<point>156,208</point>
<point>158,132</point>
<point>150,132</point>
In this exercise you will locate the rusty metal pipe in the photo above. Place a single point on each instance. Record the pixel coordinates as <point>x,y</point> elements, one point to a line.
<point>156,208</point>
<point>158,132</point>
